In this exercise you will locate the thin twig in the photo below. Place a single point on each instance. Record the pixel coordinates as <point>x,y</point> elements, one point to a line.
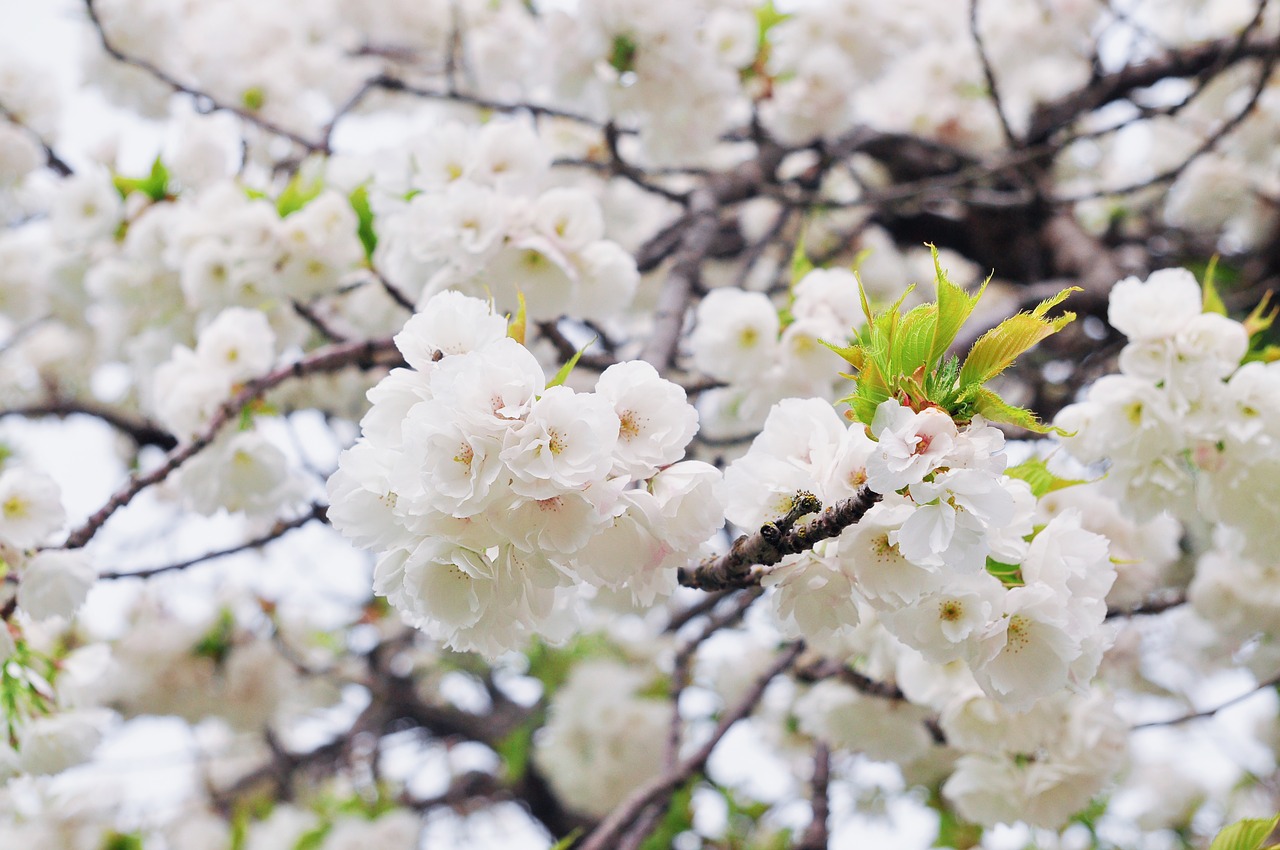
<point>141,431</point>
<point>365,355</point>
<point>605,836</point>
<point>56,163</point>
<point>1210,712</point>
<point>177,85</point>
<point>317,512</point>
<point>987,72</point>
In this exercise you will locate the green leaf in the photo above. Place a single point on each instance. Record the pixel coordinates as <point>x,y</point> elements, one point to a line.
<point>359,199</point>
<point>622,53</point>
<point>954,308</point>
<point>515,750</point>
<point>517,325</point>
<point>913,348</point>
<point>1213,302</point>
<point>254,98</point>
<point>801,265</point>
<point>566,842</point>
<point>1261,319</point>
<point>122,841</point>
<point>297,194</point>
<point>678,819</point>
<point>1036,473</point>
<point>1251,834</point>
<point>563,374</point>
<point>996,409</point>
<point>216,643</point>
<point>996,349</point>
<point>155,185</point>
<point>313,838</point>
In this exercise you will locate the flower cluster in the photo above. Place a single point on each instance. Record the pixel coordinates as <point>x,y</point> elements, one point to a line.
<point>599,742</point>
<point>1185,426</point>
<point>950,557</point>
<point>473,214</point>
<point>490,495</point>
<point>740,339</point>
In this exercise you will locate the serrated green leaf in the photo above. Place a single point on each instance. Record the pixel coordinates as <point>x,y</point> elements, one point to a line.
<point>563,374</point>
<point>954,308</point>
<point>359,199</point>
<point>297,194</point>
<point>998,348</point>
<point>996,409</point>
<point>914,345</point>
<point>1213,302</point>
<point>1036,473</point>
<point>851,354</point>
<point>1250,834</point>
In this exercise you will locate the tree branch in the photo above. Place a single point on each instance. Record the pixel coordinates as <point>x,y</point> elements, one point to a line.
<point>364,355</point>
<point>141,431</point>
<point>605,836</point>
<point>317,512</point>
<point>773,542</point>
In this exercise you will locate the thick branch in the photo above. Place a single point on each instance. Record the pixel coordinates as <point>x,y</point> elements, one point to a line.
<point>817,834</point>
<point>1050,117</point>
<point>668,315</point>
<point>770,545</point>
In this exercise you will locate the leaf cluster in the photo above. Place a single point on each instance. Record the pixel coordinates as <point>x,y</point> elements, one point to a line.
<point>904,355</point>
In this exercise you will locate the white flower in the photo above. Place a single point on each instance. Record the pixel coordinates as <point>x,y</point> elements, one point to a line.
<point>942,623</point>
<point>1154,308</point>
<point>243,472</point>
<point>736,337</point>
<point>607,280</point>
<point>55,583</point>
<point>51,744</point>
<point>444,466</point>
<point>656,423</point>
<point>880,569</point>
<point>570,218</point>
<point>449,323</point>
<point>187,391</point>
<point>630,552</point>
<point>361,501</point>
<point>1028,651</point>
<point>239,342</point>
<point>812,598</point>
<point>910,445</point>
<point>599,742</point>
<point>30,507</point>
<point>883,729</point>
<point>566,441</point>
<point>686,493</point>
<point>489,390</point>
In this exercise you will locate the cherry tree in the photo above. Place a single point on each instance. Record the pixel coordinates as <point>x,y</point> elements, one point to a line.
<point>705,424</point>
